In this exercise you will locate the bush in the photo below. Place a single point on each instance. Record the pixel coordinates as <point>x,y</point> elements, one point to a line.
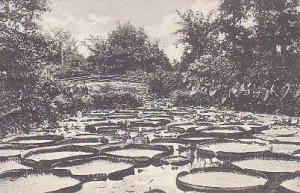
<point>185,98</point>
<point>69,72</point>
<point>162,82</point>
<point>112,100</point>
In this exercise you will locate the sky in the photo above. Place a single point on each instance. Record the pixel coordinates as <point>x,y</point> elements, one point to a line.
<point>98,17</point>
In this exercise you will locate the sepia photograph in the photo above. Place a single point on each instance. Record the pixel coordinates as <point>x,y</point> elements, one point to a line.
<point>149,96</point>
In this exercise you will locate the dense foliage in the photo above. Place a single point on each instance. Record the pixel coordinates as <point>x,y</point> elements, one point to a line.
<point>245,56</point>
<point>27,57</point>
<point>126,48</point>
<point>65,61</point>
<point>25,96</point>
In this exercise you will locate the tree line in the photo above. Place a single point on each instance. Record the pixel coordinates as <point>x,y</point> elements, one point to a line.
<point>244,55</point>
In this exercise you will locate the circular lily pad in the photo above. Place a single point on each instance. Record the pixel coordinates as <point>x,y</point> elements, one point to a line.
<point>280,132</point>
<point>291,182</point>
<point>93,186</point>
<point>195,137</point>
<point>296,153</point>
<point>290,139</point>
<point>115,141</point>
<point>273,163</point>
<point>135,152</point>
<point>199,127</point>
<point>11,165</point>
<point>176,160</point>
<point>38,140</point>
<point>180,112</point>
<point>284,148</point>
<point>107,129</point>
<point>227,130</point>
<point>169,140</point>
<point>121,116</point>
<point>175,143</point>
<point>221,179</point>
<point>164,134</point>
<point>97,168</point>
<point>143,155</point>
<point>45,157</point>
<point>8,151</point>
<point>229,149</point>
<point>150,122</point>
<point>182,127</point>
<point>176,129</point>
<point>29,181</point>
<point>85,141</point>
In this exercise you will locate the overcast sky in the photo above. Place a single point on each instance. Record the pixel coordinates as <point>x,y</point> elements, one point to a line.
<point>98,17</point>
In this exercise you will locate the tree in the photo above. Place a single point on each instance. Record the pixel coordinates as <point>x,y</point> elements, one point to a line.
<point>231,59</point>
<point>196,34</point>
<point>239,41</point>
<point>65,48</point>
<point>65,56</point>
<point>127,48</point>
<point>24,51</point>
<point>278,32</point>
<point>22,47</point>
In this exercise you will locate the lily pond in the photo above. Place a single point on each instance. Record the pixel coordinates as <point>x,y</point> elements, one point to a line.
<point>154,149</point>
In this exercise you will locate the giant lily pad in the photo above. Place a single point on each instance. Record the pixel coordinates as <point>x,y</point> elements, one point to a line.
<point>273,163</point>
<point>280,132</point>
<point>97,168</point>
<point>221,179</point>
<point>143,155</point>
<point>86,141</point>
<point>38,140</point>
<point>45,157</point>
<point>291,139</point>
<point>291,182</point>
<point>175,160</point>
<point>228,149</point>
<point>229,130</point>
<point>29,181</point>
<point>11,165</point>
<point>195,137</point>
<point>12,151</point>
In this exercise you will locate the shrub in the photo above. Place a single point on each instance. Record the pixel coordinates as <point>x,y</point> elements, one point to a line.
<point>185,98</point>
<point>162,82</point>
<point>115,100</point>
